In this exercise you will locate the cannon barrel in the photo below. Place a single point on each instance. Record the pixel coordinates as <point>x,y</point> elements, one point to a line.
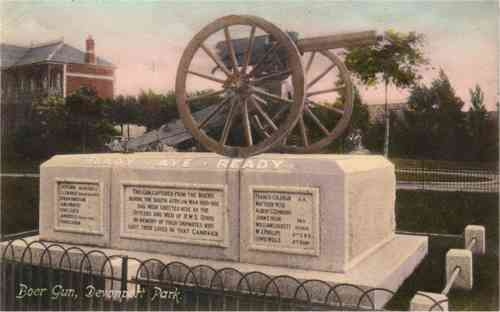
<point>344,40</point>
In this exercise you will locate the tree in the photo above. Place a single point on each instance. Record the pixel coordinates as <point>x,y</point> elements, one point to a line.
<point>150,103</point>
<point>360,119</point>
<point>43,135</point>
<point>393,61</point>
<point>434,125</point>
<point>117,112</point>
<point>86,114</point>
<point>481,129</point>
<point>158,109</point>
<point>124,110</point>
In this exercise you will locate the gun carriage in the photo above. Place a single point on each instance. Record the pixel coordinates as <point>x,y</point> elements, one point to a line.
<point>274,90</point>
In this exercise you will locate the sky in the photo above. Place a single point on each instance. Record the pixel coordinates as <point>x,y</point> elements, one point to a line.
<point>146,39</point>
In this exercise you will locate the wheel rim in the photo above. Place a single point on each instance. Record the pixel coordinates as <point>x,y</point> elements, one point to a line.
<point>248,106</point>
<point>300,139</point>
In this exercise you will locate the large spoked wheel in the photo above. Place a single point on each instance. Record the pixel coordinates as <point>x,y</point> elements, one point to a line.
<point>328,104</point>
<point>242,60</point>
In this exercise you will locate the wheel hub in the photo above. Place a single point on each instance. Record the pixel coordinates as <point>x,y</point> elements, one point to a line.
<point>239,84</point>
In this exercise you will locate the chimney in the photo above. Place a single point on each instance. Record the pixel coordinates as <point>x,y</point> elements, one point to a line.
<point>89,52</point>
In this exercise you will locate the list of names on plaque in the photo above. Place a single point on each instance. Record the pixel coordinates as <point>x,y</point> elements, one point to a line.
<point>285,221</point>
<point>172,213</point>
<point>79,207</point>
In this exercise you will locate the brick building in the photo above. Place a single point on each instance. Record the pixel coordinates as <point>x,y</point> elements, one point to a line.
<point>29,74</point>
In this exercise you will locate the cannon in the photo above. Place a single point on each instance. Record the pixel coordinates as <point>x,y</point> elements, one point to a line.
<point>271,90</point>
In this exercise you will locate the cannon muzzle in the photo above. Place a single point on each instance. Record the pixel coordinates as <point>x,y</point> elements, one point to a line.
<point>345,40</point>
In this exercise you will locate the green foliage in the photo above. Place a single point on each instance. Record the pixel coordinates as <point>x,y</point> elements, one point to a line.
<point>360,119</point>
<point>374,139</point>
<point>124,110</point>
<point>477,100</point>
<point>41,136</point>
<point>483,133</point>
<point>57,126</point>
<point>434,126</point>
<point>156,109</point>
<point>86,112</point>
<point>394,60</point>
<point>84,103</point>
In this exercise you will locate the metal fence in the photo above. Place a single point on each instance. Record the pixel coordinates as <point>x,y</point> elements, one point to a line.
<point>449,180</point>
<point>48,276</point>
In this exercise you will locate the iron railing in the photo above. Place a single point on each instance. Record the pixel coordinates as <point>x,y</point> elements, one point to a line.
<point>45,275</point>
<point>448,180</point>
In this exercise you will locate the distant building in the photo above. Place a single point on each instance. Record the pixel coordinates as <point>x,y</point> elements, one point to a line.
<point>30,74</point>
<point>377,111</point>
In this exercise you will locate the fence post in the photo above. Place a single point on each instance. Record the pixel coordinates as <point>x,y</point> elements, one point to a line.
<point>458,269</point>
<point>422,174</point>
<point>124,280</point>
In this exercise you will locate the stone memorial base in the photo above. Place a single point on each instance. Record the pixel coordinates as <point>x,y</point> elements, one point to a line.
<point>324,217</point>
<point>386,268</point>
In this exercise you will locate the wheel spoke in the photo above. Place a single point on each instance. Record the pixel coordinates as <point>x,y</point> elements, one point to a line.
<point>270,95</point>
<point>258,98</point>
<point>263,114</point>
<point>249,51</point>
<point>263,58</point>
<point>246,123</point>
<point>325,91</point>
<point>229,122</point>
<point>216,60</point>
<point>260,126</point>
<point>205,95</point>
<point>271,76</point>
<point>278,114</point>
<point>206,76</point>
<point>309,62</point>
<point>316,120</point>
<point>217,109</point>
<point>229,44</point>
<point>281,111</point>
<point>320,76</point>
<point>303,131</point>
<point>332,108</point>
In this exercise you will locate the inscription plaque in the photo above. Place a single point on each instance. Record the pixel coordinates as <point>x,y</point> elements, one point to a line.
<point>284,219</point>
<point>79,206</point>
<point>189,213</point>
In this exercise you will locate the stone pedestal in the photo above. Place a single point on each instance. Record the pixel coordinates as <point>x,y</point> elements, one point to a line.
<point>322,212</point>
<point>75,199</point>
<point>285,214</point>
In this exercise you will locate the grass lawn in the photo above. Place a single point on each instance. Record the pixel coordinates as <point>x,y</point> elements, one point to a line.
<point>19,204</point>
<point>20,165</point>
<point>448,212</point>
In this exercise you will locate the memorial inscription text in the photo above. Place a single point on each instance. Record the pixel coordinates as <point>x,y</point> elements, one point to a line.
<point>79,207</point>
<point>175,213</point>
<point>285,221</point>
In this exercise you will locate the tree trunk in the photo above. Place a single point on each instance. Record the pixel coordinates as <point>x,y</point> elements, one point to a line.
<point>121,130</point>
<point>128,131</point>
<point>387,125</point>
<point>84,135</point>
